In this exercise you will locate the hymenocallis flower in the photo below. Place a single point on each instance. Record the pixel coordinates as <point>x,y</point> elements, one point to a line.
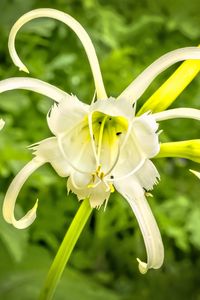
<point>100,147</point>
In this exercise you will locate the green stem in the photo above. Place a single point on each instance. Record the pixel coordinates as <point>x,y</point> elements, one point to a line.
<point>65,251</point>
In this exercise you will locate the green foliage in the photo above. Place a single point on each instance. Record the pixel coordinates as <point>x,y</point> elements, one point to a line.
<point>128,35</point>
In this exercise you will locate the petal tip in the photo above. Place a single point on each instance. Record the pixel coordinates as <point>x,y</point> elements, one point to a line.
<point>143,268</point>
<point>195,173</point>
<point>2,123</point>
<point>28,219</point>
<point>24,69</point>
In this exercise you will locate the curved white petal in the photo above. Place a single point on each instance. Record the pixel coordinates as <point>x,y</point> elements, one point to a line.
<point>49,151</point>
<point>75,26</point>
<point>2,123</point>
<point>12,193</point>
<point>190,113</point>
<point>34,85</point>
<point>65,115</point>
<point>131,190</point>
<point>140,84</point>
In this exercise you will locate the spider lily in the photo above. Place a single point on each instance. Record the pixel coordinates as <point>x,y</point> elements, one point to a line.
<point>99,147</point>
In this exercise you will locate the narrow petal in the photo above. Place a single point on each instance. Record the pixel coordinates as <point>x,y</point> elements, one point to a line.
<point>189,113</point>
<point>12,193</point>
<point>132,191</point>
<point>49,151</point>
<point>34,85</point>
<point>141,83</point>
<point>2,123</point>
<point>75,26</point>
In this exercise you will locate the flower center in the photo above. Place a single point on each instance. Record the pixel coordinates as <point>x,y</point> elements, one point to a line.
<point>93,146</point>
<point>107,133</point>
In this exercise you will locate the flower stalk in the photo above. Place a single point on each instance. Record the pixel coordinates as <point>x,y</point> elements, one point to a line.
<point>65,251</point>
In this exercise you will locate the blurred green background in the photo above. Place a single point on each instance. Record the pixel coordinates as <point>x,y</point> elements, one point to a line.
<point>128,35</point>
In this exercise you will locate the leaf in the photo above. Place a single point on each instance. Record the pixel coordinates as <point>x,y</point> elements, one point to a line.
<point>24,281</point>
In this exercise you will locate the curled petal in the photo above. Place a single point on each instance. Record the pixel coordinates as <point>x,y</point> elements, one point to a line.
<point>75,26</point>
<point>189,113</point>
<point>2,123</point>
<point>141,83</point>
<point>12,193</point>
<point>34,85</point>
<point>132,191</point>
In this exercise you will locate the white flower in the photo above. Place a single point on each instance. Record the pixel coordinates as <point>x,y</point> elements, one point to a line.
<point>99,147</point>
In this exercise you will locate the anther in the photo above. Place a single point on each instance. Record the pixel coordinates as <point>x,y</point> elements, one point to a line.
<point>118,133</point>
<point>101,175</point>
<point>98,169</point>
<point>93,177</point>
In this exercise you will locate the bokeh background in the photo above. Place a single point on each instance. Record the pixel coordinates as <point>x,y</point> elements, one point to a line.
<point>128,35</point>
